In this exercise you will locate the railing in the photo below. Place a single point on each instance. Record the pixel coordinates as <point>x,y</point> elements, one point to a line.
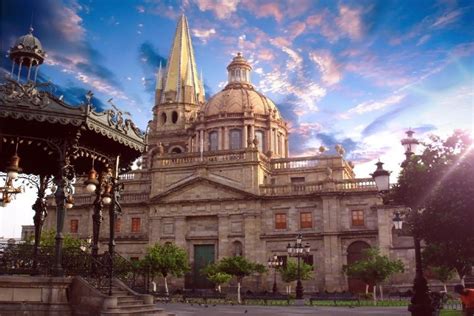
<point>134,175</point>
<point>363,184</point>
<point>352,185</point>
<point>291,189</point>
<point>19,259</point>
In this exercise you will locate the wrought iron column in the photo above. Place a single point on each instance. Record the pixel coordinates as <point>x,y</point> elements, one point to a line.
<point>60,197</point>
<point>299,285</point>
<point>97,216</point>
<point>40,214</point>
<point>113,210</point>
<point>420,301</point>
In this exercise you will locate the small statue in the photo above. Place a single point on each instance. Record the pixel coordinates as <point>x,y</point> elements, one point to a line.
<point>328,173</point>
<point>322,149</point>
<point>161,149</point>
<point>255,142</point>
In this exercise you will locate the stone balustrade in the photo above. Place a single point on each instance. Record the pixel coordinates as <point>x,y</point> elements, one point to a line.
<point>363,184</point>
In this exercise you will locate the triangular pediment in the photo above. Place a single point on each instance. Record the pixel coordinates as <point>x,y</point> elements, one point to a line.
<point>201,189</point>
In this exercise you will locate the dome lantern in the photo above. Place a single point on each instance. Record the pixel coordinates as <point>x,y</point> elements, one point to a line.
<point>27,52</point>
<point>239,71</point>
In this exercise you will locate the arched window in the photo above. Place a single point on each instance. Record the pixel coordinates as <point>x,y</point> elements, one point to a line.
<point>235,139</point>
<point>237,248</point>
<point>260,139</point>
<point>213,141</point>
<point>174,117</point>
<point>163,118</point>
<point>176,150</point>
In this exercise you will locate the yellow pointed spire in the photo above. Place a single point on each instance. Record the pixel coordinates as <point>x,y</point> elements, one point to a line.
<point>181,69</point>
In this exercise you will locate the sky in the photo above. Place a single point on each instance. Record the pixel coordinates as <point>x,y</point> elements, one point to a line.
<point>356,73</point>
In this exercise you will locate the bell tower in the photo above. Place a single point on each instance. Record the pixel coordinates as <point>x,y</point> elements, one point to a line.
<point>179,94</point>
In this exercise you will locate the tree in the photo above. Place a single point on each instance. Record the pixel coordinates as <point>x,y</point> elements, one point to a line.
<point>442,273</point>
<point>167,259</point>
<point>215,276</point>
<point>289,273</point>
<point>440,182</point>
<point>48,239</point>
<point>374,269</point>
<point>238,267</point>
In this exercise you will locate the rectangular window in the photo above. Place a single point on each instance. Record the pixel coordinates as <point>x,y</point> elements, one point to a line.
<point>74,225</point>
<point>280,221</point>
<point>306,220</point>
<point>118,225</point>
<point>136,224</point>
<point>235,139</point>
<point>308,260</point>
<point>357,218</point>
<point>213,141</point>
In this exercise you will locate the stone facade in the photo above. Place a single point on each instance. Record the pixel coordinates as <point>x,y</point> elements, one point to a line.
<point>218,178</point>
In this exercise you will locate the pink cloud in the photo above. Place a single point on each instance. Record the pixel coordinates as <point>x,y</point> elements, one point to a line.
<point>374,105</point>
<point>328,66</point>
<point>266,54</point>
<point>222,9</point>
<point>295,29</point>
<point>203,34</point>
<point>349,21</point>
<point>69,23</point>
<point>306,129</point>
<point>263,9</point>
<point>314,20</point>
<point>447,18</point>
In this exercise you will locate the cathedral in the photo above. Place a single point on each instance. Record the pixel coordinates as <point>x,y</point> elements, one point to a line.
<point>217,180</point>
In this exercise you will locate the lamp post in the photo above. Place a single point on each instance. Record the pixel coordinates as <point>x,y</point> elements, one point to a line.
<point>107,189</point>
<point>298,250</point>
<point>275,263</point>
<point>421,304</point>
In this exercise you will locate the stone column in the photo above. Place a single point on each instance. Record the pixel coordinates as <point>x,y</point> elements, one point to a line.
<point>384,226</point>
<point>245,136</point>
<point>190,144</point>
<point>269,140</point>
<point>201,141</point>
<point>226,138</point>
<point>154,230</point>
<point>332,255</point>
<point>180,229</point>
<point>252,132</point>
<point>275,141</point>
<point>220,142</point>
<point>223,247</point>
<point>196,141</point>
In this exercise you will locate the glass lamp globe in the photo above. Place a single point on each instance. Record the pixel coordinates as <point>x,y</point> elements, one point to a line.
<point>91,187</point>
<point>107,200</point>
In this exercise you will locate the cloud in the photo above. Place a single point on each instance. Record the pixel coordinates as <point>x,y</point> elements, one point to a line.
<point>423,39</point>
<point>222,9</point>
<point>203,34</point>
<point>350,22</point>
<point>372,105</point>
<point>150,60</point>
<point>447,18</point>
<point>60,30</point>
<point>295,29</point>
<point>380,123</point>
<point>328,66</point>
<point>264,9</point>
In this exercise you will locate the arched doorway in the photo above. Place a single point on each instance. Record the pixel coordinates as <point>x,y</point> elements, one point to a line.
<point>355,252</point>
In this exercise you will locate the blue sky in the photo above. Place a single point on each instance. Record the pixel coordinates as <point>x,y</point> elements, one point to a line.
<point>357,73</point>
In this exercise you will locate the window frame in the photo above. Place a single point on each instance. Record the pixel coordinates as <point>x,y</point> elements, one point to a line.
<point>231,140</point>
<point>213,145</point>
<point>356,221</point>
<point>311,224</point>
<point>278,223</point>
<point>132,225</point>
<point>76,225</point>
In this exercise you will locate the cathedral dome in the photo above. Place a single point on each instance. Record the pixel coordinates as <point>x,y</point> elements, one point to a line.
<point>239,95</point>
<point>240,100</point>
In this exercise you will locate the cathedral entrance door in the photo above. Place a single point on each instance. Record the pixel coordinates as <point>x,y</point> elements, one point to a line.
<point>203,255</point>
<point>355,252</point>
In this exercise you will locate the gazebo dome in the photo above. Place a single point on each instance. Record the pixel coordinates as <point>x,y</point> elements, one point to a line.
<point>27,50</point>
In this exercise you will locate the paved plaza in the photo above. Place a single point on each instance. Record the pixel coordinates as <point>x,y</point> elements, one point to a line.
<point>218,310</point>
